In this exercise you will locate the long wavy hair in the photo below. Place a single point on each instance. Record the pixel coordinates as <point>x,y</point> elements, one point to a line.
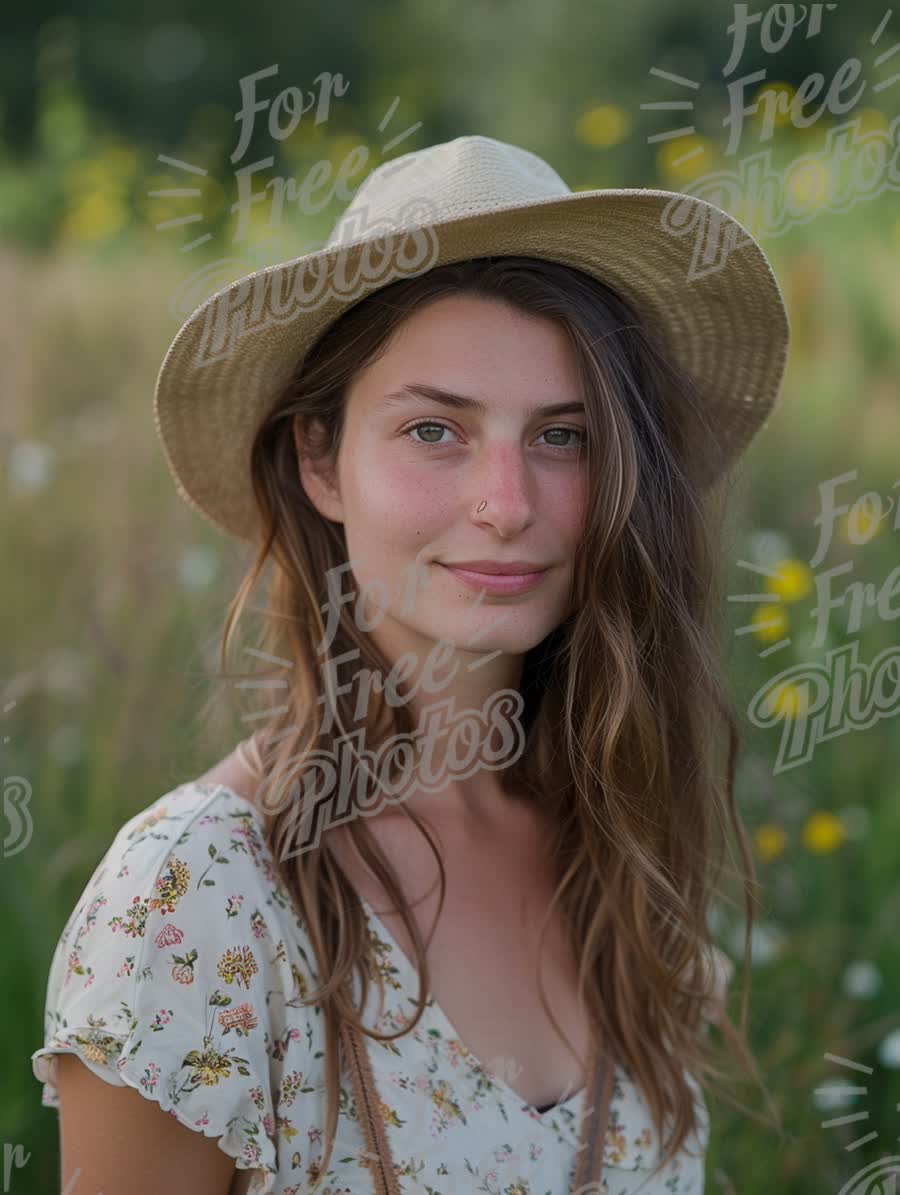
<point>625,706</point>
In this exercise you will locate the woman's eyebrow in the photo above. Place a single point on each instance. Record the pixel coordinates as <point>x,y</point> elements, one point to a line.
<point>462,402</point>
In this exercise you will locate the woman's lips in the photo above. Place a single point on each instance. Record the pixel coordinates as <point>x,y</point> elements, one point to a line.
<point>498,583</point>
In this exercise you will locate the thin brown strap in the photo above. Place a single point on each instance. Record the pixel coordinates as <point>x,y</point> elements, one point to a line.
<point>369,1107</point>
<point>594,1124</point>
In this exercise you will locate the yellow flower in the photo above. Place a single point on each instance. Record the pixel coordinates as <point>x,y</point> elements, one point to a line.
<point>97,191</point>
<point>209,1067</point>
<point>113,168</point>
<point>340,149</point>
<point>94,1053</point>
<point>770,841</point>
<point>787,701</point>
<point>603,126</point>
<point>97,217</point>
<point>300,980</point>
<point>793,582</point>
<point>869,120</point>
<point>823,833</point>
<point>237,964</point>
<point>860,524</point>
<point>684,158</point>
<point>809,185</point>
<point>389,1115</point>
<point>772,98</point>
<point>769,621</point>
<point>120,161</point>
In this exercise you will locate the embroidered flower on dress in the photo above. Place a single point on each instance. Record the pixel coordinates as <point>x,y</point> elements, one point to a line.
<point>237,966</point>
<point>169,935</point>
<point>171,886</point>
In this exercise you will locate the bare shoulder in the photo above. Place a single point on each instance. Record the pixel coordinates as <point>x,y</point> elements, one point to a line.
<point>235,774</point>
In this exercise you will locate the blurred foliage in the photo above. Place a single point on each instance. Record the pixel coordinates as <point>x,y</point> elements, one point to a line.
<point>90,101</point>
<point>116,588</point>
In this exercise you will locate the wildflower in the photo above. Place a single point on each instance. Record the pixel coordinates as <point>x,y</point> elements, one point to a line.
<point>770,621</point>
<point>823,833</point>
<point>31,464</point>
<point>770,841</point>
<point>605,125</point>
<point>766,943</point>
<point>861,523</point>
<point>889,1050</point>
<point>862,980</point>
<point>197,567</point>
<point>768,547</point>
<point>787,701</point>
<point>792,582</point>
<point>833,1094</point>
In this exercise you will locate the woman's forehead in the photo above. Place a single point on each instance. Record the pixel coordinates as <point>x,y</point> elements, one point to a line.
<point>476,355</point>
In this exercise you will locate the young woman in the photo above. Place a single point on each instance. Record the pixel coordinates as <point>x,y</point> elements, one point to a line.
<point>442,925</point>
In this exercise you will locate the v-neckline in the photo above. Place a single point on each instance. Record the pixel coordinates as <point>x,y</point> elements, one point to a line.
<point>375,923</point>
<point>410,973</point>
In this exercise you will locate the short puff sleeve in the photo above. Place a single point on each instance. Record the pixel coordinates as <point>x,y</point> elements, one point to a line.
<point>161,977</point>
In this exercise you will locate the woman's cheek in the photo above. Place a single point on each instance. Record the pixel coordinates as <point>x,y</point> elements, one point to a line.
<point>427,501</point>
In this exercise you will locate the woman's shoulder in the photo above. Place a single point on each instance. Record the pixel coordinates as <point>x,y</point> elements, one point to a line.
<point>175,967</point>
<point>179,849</point>
<point>193,861</point>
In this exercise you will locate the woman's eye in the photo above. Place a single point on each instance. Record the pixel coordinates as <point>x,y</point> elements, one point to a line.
<point>432,439</point>
<point>568,431</point>
<point>434,427</point>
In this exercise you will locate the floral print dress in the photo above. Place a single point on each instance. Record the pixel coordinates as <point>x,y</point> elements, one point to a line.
<point>180,973</point>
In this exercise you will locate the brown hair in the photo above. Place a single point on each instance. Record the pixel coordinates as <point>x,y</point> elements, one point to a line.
<point>620,701</point>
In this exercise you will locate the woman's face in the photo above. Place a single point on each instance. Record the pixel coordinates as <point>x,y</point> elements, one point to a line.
<point>411,472</point>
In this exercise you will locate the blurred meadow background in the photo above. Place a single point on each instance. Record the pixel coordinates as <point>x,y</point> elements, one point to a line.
<point>115,589</point>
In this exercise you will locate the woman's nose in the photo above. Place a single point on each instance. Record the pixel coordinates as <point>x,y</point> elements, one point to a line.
<point>503,482</point>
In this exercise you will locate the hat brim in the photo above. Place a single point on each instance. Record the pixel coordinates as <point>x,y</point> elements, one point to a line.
<point>694,273</point>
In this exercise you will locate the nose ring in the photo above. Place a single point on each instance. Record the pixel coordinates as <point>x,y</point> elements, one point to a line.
<point>481,508</point>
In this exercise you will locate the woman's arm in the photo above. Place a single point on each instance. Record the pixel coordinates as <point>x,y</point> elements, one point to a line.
<point>115,1140</point>
<point>158,990</point>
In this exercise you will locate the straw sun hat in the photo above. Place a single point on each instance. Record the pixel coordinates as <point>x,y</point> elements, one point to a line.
<point>693,272</point>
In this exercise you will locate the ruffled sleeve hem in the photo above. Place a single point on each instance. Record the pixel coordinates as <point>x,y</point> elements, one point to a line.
<point>241,1137</point>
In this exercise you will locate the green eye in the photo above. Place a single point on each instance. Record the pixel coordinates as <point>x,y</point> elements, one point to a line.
<point>572,431</point>
<point>434,425</point>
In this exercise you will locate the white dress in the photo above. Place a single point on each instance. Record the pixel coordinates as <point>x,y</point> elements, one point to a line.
<point>179,973</point>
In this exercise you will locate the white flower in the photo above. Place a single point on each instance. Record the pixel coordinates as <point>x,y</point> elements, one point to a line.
<point>766,943</point>
<point>769,547</point>
<point>197,567</point>
<point>31,464</point>
<point>834,1093</point>
<point>889,1050</point>
<point>862,980</point>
